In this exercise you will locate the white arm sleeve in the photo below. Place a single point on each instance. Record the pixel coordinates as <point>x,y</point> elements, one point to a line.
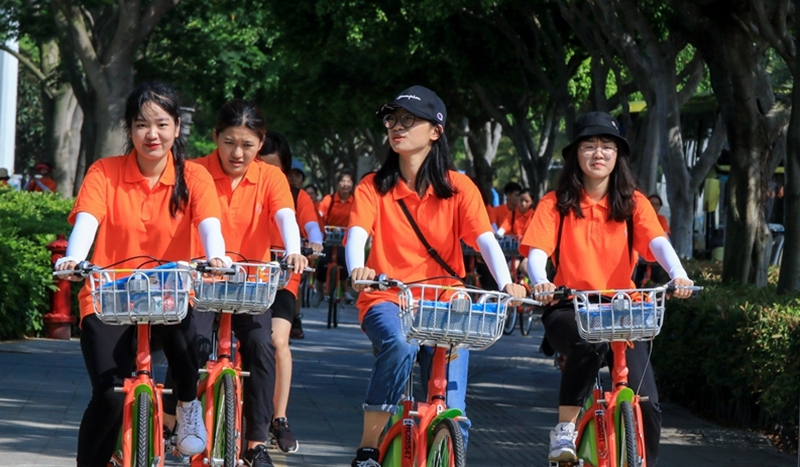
<point>210,230</point>
<point>667,258</point>
<point>492,254</point>
<point>354,249</point>
<point>314,234</point>
<point>290,232</point>
<point>81,238</point>
<point>501,231</point>
<point>537,266</point>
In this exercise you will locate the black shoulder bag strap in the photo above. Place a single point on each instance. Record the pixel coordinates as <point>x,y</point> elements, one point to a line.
<point>431,251</point>
<point>295,194</point>
<point>328,214</point>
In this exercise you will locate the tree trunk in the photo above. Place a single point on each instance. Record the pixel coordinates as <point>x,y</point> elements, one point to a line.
<point>64,138</point>
<point>481,146</point>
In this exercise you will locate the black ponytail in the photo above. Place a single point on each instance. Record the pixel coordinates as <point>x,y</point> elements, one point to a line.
<point>167,98</point>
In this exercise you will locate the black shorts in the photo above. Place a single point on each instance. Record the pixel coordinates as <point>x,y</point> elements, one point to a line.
<point>284,304</point>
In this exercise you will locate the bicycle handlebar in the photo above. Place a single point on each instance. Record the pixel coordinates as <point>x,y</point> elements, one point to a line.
<point>562,292</point>
<point>83,269</point>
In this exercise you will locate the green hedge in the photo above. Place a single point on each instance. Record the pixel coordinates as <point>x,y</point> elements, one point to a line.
<point>28,222</point>
<point>732,354</point>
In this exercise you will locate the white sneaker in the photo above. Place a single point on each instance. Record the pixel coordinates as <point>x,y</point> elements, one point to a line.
<point>192,435</point>
<point>316,298</point>
<point>562,442</point>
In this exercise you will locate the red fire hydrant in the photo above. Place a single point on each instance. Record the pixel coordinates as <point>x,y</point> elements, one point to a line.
<point>60,319</point>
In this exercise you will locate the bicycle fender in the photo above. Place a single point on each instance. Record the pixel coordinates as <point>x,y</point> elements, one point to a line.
<point>447,413</point>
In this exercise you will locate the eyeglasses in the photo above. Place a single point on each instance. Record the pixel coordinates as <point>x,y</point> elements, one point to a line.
<point>588,150</point>
<point>406,121</point>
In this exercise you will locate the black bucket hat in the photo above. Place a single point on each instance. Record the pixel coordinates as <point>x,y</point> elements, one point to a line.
<point>596,124</point>
<point>420,101</point>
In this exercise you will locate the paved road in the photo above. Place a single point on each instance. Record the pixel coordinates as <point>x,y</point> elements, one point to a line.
<point>511,401</point>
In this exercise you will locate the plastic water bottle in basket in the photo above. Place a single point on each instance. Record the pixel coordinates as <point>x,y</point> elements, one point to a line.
<point>250,289</point>
<point>627,315</point>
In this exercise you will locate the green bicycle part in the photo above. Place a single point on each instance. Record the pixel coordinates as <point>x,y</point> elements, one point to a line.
<point>451,413</point>
<point>587,448</point>
<point>394,453</point>
<point>446,447</point>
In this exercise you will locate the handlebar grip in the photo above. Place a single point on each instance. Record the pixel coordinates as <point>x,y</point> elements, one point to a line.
<point>203,266</point>
<point>694,288</point>
<point>306,251</point>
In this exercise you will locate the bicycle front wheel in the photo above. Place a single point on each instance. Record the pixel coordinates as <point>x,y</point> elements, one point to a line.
<point>225,433</point>
<point>628,445</point>
<point>511,320</point>
<point>447,446</point>
<point>142,449</point>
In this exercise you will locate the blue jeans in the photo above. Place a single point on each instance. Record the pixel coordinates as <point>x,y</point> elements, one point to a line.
<point>395,359</point>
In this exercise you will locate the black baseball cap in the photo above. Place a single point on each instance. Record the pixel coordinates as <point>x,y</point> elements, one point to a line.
<point>420,101</point>
<point>596,124</point>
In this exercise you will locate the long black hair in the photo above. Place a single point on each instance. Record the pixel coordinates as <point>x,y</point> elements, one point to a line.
<point>276,143</point>
<point>432,172</point>
<point>167,98</point>
<point>621,184</point>
<point>239,112</point>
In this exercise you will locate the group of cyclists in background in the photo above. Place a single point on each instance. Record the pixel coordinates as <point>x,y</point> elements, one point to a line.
<point>247,198</point>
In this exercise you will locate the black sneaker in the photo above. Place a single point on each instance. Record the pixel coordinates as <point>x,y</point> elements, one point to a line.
<point>257,457</point>
<point>284,437</point>
<point>297,329</point>
<point>366,457</point>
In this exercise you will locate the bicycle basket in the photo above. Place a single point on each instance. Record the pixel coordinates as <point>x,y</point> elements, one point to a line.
<point>333,235</point>
<point>138,296</point>
<point>627,315</point>
<point>445,316</point>
<point>250,291</point>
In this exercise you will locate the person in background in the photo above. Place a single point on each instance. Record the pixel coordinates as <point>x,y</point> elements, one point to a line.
<point>4,177</point>
<point>296,174</point>
<point>313,192</point>
<point>498,214</point>
<point>656,201</point>
<point>335,212</point>
<point>42,182</point>
<point>516,222</point>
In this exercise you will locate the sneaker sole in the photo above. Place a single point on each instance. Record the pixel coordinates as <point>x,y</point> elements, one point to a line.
<point>276,446</point>
<point>563,456</point>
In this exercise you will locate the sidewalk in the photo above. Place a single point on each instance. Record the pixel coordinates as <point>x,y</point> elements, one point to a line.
<point>511,401</point>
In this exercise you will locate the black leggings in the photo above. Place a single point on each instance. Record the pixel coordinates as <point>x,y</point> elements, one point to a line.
<point>584,361</point>
<point>254,336</point>
<point>109,353</point>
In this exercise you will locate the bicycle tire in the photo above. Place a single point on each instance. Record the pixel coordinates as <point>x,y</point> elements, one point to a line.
<point>629,428</point>
<point>511,320</point>
<point>142,448</point>
<point>447,445</point>
<point>333,283</point>
<point>526,322</point>
<point>230,459</point>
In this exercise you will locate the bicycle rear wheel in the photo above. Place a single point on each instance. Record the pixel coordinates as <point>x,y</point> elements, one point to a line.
<point>141,450</point>
<point>447,445</point>
<point>333,298</point>
<point>511,320</point>
<point>628,445</point>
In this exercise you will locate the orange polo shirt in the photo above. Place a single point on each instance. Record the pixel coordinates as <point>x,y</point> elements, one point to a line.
<point>248,212</point>
<point>339,213</point>
<point>135,219</point>
<point>498,214</point>
<point>594,250</point>
<point>515,223</point>
<point>305,214</point>
<point>397,251</point>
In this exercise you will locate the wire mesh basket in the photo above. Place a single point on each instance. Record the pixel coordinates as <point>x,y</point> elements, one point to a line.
<point>334,235</point>
<point>619,315</point>
<point>251,290</point>
<point>284,275</point>
<point>445,316</point>
<point>510,245</point>
<point>138,296</point>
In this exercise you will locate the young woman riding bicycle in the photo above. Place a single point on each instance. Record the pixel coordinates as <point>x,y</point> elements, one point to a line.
<point>584,226</point>
<point>447,206</point>
<point>145,203</point>
<point>255,198</point>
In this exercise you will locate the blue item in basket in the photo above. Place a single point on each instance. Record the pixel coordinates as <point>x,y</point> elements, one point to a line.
<point>483,318</point>
<point>136,283</point>
<point>638,315</point>
<point>145,292</point>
